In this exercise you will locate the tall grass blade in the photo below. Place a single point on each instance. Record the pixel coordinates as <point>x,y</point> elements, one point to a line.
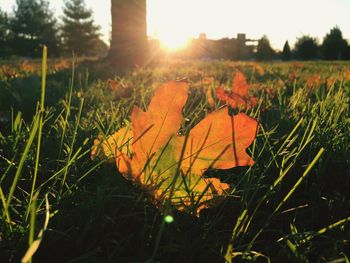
<point>34,245</point>
<point>41,117</point>
<point>32,135</point>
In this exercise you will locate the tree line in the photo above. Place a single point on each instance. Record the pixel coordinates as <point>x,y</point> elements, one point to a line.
<point>33,24</point>
<point>333,47</point>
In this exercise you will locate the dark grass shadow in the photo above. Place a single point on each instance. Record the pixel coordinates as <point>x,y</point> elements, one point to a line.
<point>109,220</point>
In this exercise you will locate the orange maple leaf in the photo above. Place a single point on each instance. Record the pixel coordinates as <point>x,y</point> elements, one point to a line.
<point>258,68</point>
<point>150,153</point>
<point>313,80</point>
<point>292,76</point>
<point>122,90</point>
<point>347,75</point>
<point>239,97</point>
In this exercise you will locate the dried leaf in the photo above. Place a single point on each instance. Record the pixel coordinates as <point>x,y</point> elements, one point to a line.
<point>219,141</point>
<point>154,128</point>
<point>240,86</point>
<point>210,98</point>
<point>112,84</point>
<point>120,89</point>
<point>239,97</point>
<point>171,167</point>
<point>313,80</point>
<point>114,145</point>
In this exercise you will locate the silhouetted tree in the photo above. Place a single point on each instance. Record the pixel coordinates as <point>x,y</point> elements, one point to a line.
<point>79,33</point>
<point>286,53</point>
<point>264,49</point>
<point>4,35</point>
<point>347,53</point>
<point>334,46</point>
<point>99,48</point>
<point>306,48</point>
<point>33,25</point>
<point>129,44</point>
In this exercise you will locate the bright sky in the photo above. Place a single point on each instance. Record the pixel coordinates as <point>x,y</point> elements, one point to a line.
<point>280,20</point>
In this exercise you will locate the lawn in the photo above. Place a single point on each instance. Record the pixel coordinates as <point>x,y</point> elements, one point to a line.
<point>291,205</point>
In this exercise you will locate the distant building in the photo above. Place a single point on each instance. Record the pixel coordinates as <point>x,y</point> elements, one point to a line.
<point>202,36</point>
<point>239,48</point>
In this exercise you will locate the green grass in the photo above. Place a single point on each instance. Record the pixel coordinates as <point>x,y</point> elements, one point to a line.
<point>57,205</point>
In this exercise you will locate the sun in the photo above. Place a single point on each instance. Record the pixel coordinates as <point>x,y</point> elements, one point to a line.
<point>166,23</point>
<point>173,42</point>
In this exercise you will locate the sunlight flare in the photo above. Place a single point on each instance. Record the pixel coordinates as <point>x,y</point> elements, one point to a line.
<point>172,42</point>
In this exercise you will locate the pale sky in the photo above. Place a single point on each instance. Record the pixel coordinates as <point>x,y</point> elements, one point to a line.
<point>280,20</point>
